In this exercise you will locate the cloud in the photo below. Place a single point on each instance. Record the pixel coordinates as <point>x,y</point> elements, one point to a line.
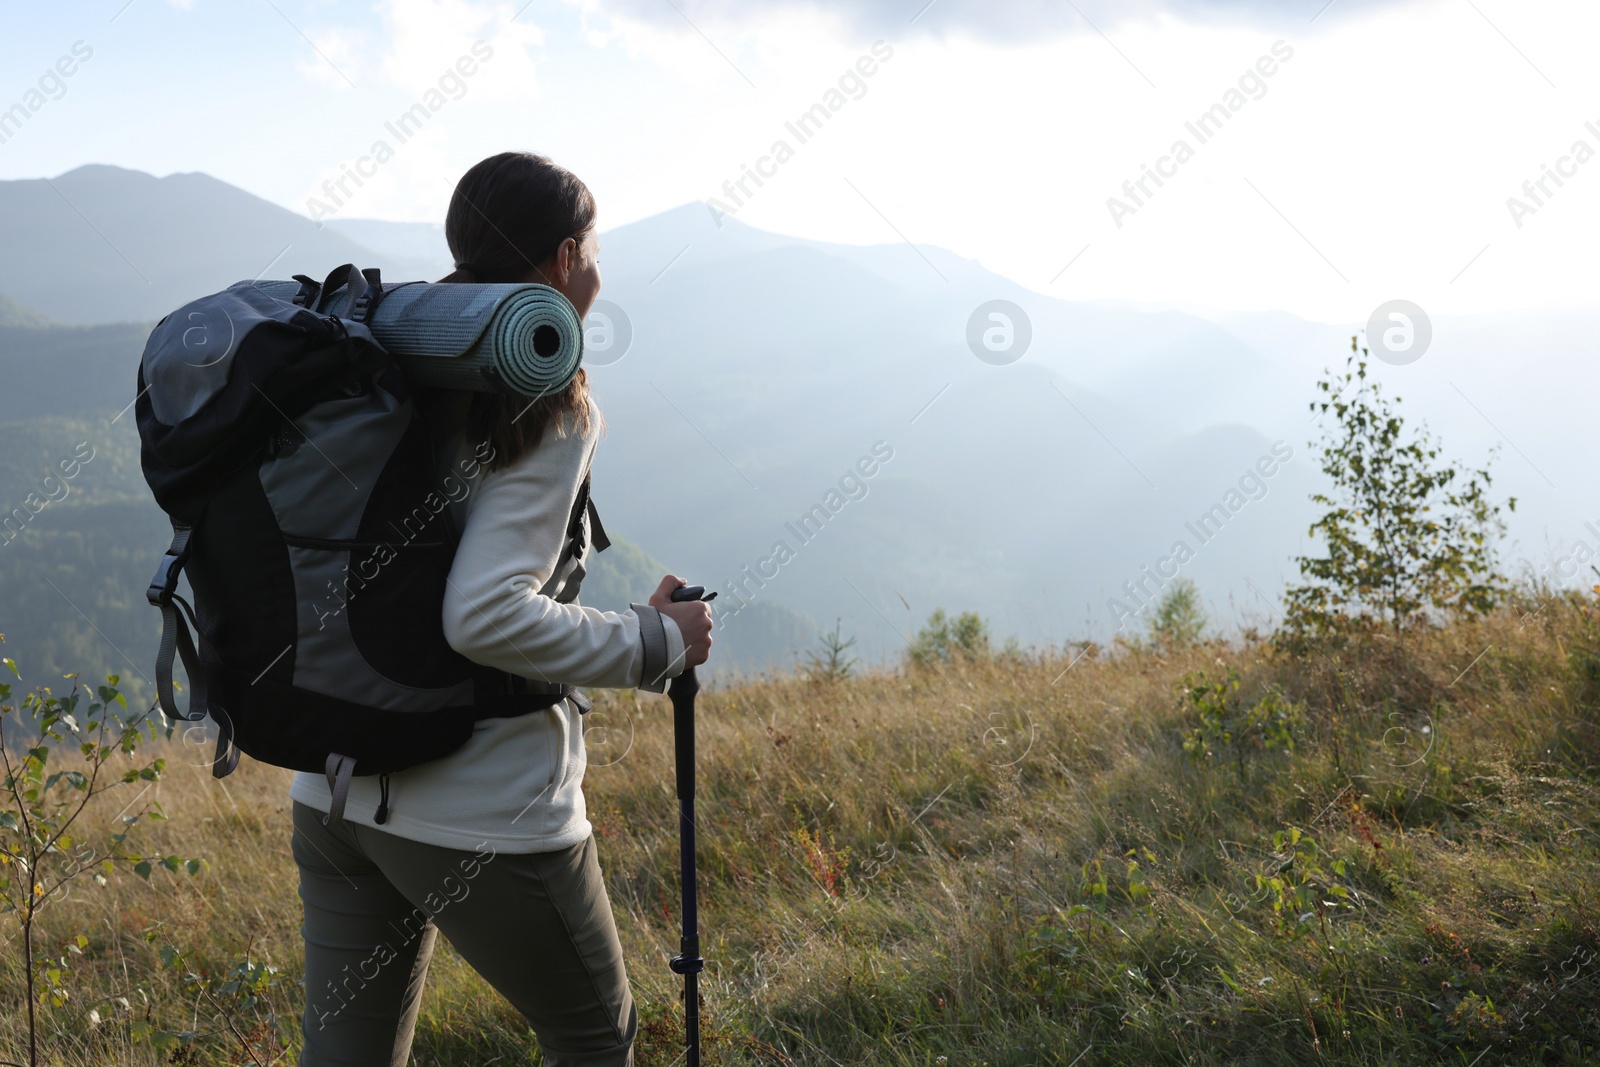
<point>414,42</point>
<point>335,57</point>
<point>426,37</point>
<point>1010,21</point>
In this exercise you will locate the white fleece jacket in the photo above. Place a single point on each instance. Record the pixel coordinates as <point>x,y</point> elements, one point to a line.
<point>517,782</point>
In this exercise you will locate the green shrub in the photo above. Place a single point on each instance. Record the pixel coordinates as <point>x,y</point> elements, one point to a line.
<point>1179,619</point>
<point>1227,729</point>
<point>943,639</point>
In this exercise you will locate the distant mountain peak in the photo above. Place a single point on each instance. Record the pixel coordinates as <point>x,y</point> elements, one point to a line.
<point>102,243</point>
<point>90,170</point>
<point>16,313</point>
<point>112,171</point>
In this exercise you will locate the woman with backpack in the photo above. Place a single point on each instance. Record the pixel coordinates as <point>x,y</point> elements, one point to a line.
<point>490,845</point>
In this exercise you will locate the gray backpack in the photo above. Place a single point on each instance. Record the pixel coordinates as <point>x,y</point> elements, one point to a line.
<point>308,512</point>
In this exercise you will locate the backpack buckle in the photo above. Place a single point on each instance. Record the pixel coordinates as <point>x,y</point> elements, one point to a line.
<point>366,301</point>
<point>165,582</point>
<point>309,291</point>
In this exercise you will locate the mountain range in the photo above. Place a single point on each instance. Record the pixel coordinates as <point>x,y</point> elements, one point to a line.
<point>765,374</point>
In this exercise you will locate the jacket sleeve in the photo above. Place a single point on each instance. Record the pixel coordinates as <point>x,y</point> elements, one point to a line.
<point>516,521</point>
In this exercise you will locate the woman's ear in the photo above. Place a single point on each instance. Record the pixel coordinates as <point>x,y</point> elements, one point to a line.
<point>566,259</point>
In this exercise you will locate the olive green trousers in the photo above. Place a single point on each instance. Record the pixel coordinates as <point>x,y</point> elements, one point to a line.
<point>537,926</point>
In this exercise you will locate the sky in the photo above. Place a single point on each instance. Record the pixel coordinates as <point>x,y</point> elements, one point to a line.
<point>1360,152</point>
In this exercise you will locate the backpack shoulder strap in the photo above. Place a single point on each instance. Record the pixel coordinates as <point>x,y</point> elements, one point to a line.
<point>597,532</point>
<point>583,507</point>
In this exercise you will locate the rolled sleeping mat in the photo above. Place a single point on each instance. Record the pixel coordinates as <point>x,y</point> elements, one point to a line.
<point>516,338</point>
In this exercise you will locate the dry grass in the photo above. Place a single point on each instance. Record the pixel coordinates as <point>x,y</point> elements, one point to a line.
<point>936,863</point>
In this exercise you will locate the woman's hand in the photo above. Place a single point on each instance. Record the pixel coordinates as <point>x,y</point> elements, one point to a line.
<point>692,616</point>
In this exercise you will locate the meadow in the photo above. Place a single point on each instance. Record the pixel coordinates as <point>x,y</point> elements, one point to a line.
<point>1374,851</point>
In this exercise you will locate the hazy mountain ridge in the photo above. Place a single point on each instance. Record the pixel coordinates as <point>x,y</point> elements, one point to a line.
<point>763,366</point>
<point>16,313</point>
<point>103,244</point>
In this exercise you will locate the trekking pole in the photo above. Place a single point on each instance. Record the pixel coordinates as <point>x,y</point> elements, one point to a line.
<point>687,962</point>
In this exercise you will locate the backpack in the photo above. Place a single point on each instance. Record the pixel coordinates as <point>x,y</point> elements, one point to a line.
<point>299,471</point>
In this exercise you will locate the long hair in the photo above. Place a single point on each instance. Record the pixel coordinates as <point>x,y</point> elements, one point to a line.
<point>507,217</point>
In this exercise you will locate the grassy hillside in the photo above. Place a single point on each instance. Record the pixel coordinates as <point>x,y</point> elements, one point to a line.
<point>1060,858</point>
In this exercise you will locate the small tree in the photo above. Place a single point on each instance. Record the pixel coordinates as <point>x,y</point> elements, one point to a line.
<point>1408,533</point>
<point>1179,619</point>
<point>944,638</point>
<point>1224,727</point>
<point>72,749</point>
<point>245,1001</point>
<point>832,662</point>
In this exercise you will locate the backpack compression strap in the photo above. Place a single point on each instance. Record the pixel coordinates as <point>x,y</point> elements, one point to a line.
<point>163,593</point>
<point>175,638</point>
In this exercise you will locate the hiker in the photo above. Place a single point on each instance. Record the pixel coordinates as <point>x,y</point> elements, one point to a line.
<point>489,844</point>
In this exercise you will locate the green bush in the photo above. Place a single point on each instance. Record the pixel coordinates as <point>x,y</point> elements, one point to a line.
<point>1228,729</point>
<point>1179,619</point>
<point>943,639</point>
